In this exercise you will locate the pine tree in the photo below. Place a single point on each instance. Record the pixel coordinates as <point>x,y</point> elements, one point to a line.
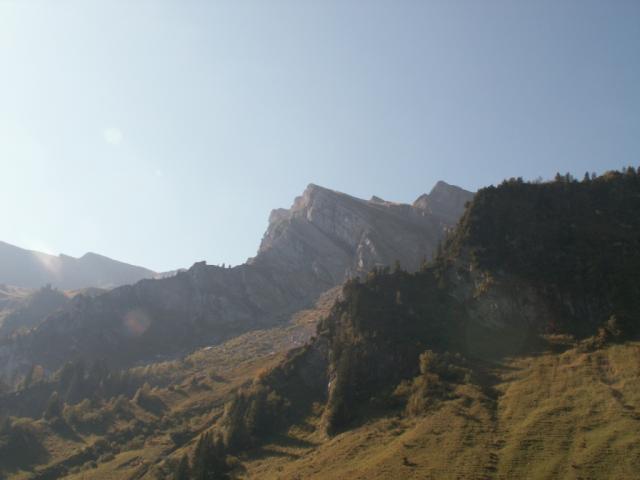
<point>209,460</point>
<point>183,472</point>
<point>397,267</point>
<point>198,469</point>
<point>424,264</point>
<point>54,407</point>
<point>76,391</point>
<point>5,425</point>
<point>28,379</point>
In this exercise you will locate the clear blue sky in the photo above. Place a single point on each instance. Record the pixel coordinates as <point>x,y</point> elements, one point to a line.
<point>163,132</point>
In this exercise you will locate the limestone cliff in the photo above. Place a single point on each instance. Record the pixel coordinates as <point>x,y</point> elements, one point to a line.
<point>337,236</point>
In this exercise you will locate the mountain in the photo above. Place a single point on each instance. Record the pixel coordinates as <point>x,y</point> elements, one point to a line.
<point>532,269</point>
<point>512,354</point>
<point>334,236</point>
<point>323,239</point>
<point>30,269</point>
<point>446,201</point>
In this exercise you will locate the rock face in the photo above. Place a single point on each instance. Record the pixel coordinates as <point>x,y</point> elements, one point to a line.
<point>337,236</point>
<point>444,200</point>
<point>30,269</point>
<point>324,238</point>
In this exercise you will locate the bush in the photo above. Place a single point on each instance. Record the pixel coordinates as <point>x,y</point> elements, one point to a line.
<point>19,443</point>
<point>180,436</point>
<point>107,457</point>
<point>148,400</point>
<point>86,416</point>
<point>438,374</point>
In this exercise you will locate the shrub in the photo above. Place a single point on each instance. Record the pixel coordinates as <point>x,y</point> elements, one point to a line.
<point>86,416</point>
<point>438,374</point>
<point>148,400</point>
<point>19,443</point>
<point>107,457</point>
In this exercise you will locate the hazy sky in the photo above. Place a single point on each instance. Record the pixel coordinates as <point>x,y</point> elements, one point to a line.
<point>163,132</point>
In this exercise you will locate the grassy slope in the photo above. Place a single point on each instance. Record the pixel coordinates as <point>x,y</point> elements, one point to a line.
<point>201,384</point>
<point>552,415</point>
<point>571,415</point>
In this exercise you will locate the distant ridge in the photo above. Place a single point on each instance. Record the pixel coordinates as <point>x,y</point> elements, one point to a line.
<point>325,238</point>
<point>30,269</point>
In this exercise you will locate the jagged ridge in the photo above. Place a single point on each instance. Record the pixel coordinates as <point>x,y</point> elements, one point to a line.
<point>323,239</point>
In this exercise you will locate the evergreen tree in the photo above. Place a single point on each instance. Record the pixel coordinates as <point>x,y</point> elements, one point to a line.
<point>98,372</point>
<point>28,379</point>
<point>54,407</point>
<point>65,376</point>
<point>396,266</point>
<point>183,472</point>
<point>424,263</point>
<point>5,425</point>
<point>209,461</point>
<point>76,391</point>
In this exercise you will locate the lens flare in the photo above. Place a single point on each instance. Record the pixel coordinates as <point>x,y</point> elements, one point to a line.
<point>136,322</point>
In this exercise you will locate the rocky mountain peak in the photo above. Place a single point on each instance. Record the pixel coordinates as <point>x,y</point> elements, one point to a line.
<point>315,195</point>
<point>443,191</point>
<point>336,235</point>
<point>324,238</point>
<point>445,200</point>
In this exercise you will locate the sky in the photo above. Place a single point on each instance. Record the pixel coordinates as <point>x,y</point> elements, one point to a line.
<point>162,133</point>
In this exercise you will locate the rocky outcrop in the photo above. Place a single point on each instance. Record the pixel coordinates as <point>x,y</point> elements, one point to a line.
<point>337,236</point>
<point>445,201</point>
<point>324,238</point>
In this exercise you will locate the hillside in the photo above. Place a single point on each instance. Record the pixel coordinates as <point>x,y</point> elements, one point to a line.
<point>104,419</point>
<point>571,415</point>
<point>325,238</point>
<point>30,269</point>
<point>31,310</point>
<point>12,296</point>
<point>406,343</point>
<point>488,363</point>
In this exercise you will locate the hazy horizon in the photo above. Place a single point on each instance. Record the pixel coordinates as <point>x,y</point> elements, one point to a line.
<point>161,133</point>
